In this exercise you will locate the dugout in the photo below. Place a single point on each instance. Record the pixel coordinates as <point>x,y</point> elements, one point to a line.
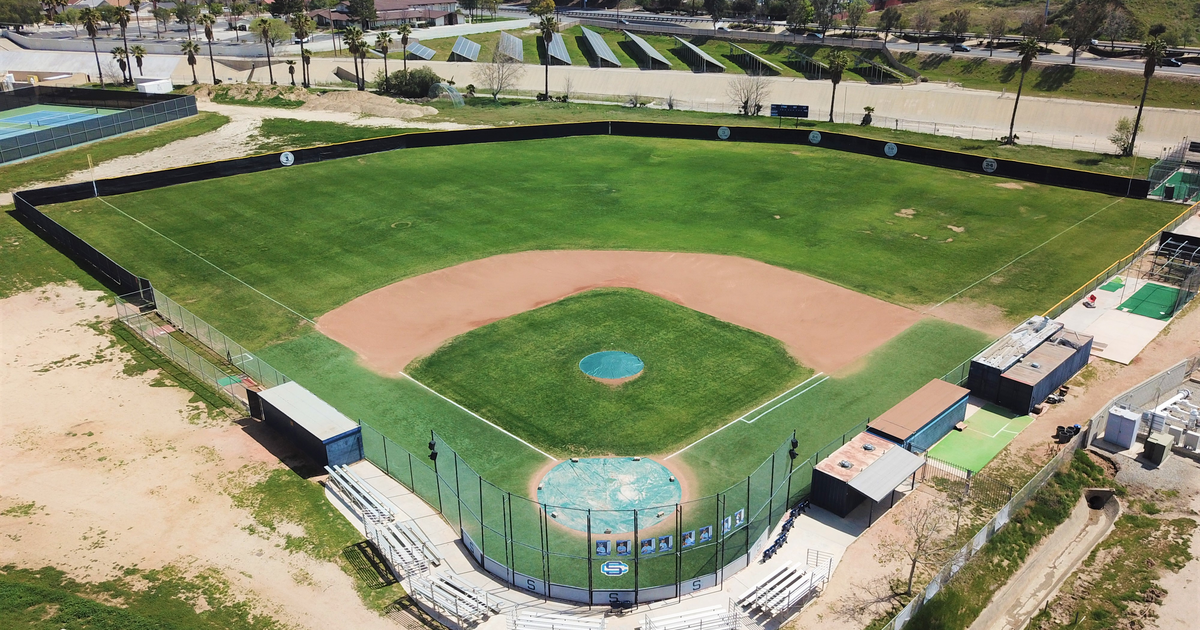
<point>321,431</point>
<point>867,467</point>
<point>1028,364</point>
<point>919,421</point>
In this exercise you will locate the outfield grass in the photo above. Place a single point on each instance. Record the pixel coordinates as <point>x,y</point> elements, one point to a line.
<point>316,236</point>
<point>57,165</point>
<point>522,372</point>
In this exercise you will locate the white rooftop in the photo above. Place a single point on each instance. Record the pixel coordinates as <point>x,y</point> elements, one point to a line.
<point>302,406</point>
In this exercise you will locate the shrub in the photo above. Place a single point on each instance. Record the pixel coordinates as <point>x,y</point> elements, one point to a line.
<point>413,83</point>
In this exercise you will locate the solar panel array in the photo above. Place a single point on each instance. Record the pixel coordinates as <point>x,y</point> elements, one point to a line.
<point>465,49</point>
<point>511,47</point>
<point>705,58</point>
<point>648,51</point>
<point>600,48</point>
<point>419,50</point>
<point>760,60</point>
<point>558,50</point>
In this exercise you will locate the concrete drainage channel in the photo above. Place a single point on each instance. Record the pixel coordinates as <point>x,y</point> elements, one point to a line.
<point>1051,562</point>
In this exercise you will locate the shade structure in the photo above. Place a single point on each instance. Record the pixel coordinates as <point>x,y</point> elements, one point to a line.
<point>881,477</point>
<point>647,52</point>
<point>701,59</point>
<point>464,50</point>
<point>600,50</point>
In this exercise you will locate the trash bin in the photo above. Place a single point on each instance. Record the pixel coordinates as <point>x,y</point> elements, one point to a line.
<point>1169,192</point>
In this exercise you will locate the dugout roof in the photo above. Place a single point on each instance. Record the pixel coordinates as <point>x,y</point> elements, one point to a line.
<point>889,471</point>
<point>913,413</point>
<point>316,416</point>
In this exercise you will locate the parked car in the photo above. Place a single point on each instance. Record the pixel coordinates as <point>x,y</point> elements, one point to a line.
<point>816,36</point>
<point>960,48</point>
<point>296,40</point>
<point>1170,63</point>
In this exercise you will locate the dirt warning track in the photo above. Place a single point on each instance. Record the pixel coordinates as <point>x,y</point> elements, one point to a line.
<point>826,327</point>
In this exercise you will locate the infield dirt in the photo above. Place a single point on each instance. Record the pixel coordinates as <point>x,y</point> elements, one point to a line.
<point>826,327</point>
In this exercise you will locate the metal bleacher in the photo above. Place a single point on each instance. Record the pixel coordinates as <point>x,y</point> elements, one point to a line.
<point>790,585</point>
<point>464,50</point>
<point>399,539</point>
<point>452,595</point>
<point>419,50</point>
<point>529,619</point>
<point>600,49</point>
<point>710,618</point>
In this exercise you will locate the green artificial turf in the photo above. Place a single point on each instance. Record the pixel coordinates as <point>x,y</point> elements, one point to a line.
<point>315,236</point>
<point>1155,301</point>
<point>988,431</point>
<point>523,373</point>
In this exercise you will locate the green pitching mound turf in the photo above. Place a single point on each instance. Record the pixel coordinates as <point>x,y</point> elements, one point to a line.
<point>523,373</point>
<point>988,431</point>
<point>1155,301</point>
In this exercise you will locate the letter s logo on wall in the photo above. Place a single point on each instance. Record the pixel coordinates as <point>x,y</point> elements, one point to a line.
<point>531,585</point>
<point>695,585</point>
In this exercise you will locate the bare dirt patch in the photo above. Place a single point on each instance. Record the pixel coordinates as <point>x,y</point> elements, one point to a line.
<point>824,326</point>
<point>1010,185</point>
<point>986,317</point>
<point>122,474</point>
<point>906,213</point>
<point>955,228</point>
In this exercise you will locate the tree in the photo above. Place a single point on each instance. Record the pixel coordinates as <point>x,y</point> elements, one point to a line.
<point>1087,18</point>
<point>122,58</point>
<point>800,15</point>
<point>190,48</point>
<point>825,12</point>
<point>383,41</point>
<point>404,30</point>
<point>1028,50</point>
<point>137,8</point>
<point>855,12</point>
<point>161,16</point>
<point>236,11</point>
<point>353,39</point>
<point>891,19</point>
<point>749,92</point>
<point>839,60</point>
<point>264,28</point>
<point>491,6</point>
<point>207,21</point>
<point>91,23</point>
<point>52,7</point>
<point>1033,24</point>
<point>186,14</point>
<point>363,11</point>
<point>139,54</point>
<point>1153,50</point>
<point>304,26</point>
<point>1052,34</point>
<point>1122,136</point>
<point>717,9</point>
<point>997,26</point>
<point>287,7</point>
<point>923,23</point>
<point>1116,24</point>
<point>922,538</point>
<point>69,16</point>
<point>544,10</point>
<point>306,59</point>
<point>291,66</point>
<point>123,16</point>
<point>956,22</point>
<point>415,83</point>
<point>500,74</point>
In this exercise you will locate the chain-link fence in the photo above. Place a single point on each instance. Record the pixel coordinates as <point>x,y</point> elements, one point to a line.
<point>1147,395</point>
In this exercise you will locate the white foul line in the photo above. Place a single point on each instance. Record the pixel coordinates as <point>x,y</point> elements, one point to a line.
<point>479,417</point>
<point>735,421</point>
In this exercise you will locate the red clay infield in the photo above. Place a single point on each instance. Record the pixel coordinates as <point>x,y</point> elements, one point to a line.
<point>826,327</point>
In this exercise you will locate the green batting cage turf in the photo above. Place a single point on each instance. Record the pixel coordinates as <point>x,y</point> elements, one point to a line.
<point>1113,285</point>
<point>987,432</point>
<point>1155,301</point>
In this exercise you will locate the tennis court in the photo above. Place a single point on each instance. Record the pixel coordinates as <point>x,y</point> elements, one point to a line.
<point>987,432</point>
<point>31,118</point>
<point>1155,301</point>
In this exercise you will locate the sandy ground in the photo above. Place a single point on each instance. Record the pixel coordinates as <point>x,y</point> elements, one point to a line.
<point>125,474</point>
<point>1181,607</point>
<point>824,326</point>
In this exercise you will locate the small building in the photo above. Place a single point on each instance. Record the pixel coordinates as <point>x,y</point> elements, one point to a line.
<point>390,13</point>
<point>919,421</point>
<point>1028,364</point>
<point>867,467</point>
<point>313,425</point>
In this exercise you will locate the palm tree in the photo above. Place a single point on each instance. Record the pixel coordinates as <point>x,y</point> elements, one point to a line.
<point>190,48</point>
<point>353,39</point>
<point>122,58</point>
<point>303,26</point>
<point>292,70</point>
<point>306,58</point>
<point>236,10</point>
<point>262,26</point>
<point>92,20</point>
<point>154,12</point>
<point>404,30</point>
<point>1028,49</point>
<point>544,10</point>
<point>123,16</point>
<point>207,20</point>
<point>839,60</point>
<point>138,53</point>
<point>1154,49</point>
<point>137,6</point>
<point>382,42</point>
<point>362,58</point>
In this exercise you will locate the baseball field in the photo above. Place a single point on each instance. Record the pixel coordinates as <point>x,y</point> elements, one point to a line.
<point>273,258</point>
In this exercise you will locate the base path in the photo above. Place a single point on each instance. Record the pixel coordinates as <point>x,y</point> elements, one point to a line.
<point>826,327</point>
<point>1048,566</point>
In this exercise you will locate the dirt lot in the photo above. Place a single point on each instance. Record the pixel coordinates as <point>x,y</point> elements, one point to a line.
<point>121,473</point>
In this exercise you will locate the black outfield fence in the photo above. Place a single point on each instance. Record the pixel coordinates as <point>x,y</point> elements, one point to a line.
<point>139,111</point>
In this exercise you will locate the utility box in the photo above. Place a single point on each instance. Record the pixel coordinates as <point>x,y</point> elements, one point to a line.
<point>1158,447</point>
<point>1122,427</point>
